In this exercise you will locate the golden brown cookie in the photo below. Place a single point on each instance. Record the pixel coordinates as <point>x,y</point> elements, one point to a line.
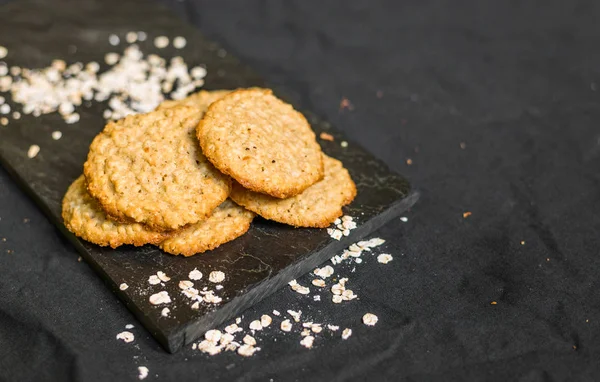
<point>200,100</point>
<point>149,168</point>
<point>83,216</point>
<point>227,222</point>
<point>261,142</point>
<point>318,206</point>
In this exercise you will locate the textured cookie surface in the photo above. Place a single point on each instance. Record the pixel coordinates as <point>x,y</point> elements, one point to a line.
<point>318,206</point>
<point>227,222</point>
<point>200,100</point>
<point>149,168</point>
<point>83,216</point>
<point>261,142</point>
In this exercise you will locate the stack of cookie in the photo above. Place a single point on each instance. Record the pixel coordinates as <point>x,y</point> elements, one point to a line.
<point>192,174</point>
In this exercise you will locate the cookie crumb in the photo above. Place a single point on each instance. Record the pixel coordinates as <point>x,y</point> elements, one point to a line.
<point>466,214</point>
<point>326,137</point>
<point>370,319</point>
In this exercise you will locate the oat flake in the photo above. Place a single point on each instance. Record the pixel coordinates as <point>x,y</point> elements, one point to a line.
<point>307,341</point>
<point>370,319</point>
<point>126,337</point>
<point>33,151</point>
<point>286,325</point>
<point>255,325</point>
<point>143,372</point>
<point>265,320</point>
<point>195,275</point>
<point>123,286</point>
<point>160,298</point>
<point>384,258</point>
<point>216,277</point>
<point>346,333</point>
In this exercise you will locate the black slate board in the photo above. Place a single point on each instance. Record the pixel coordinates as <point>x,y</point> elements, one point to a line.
<point>258,263</point>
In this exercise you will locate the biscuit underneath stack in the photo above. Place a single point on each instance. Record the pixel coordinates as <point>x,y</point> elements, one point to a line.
<point>192,174</point>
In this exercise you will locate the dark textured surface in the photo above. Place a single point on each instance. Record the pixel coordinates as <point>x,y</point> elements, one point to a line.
<point>515,80</point>
<point>260,262</point>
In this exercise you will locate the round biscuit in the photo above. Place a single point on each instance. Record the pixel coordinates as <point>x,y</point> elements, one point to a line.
<point>261,142</point>
<point>149,168</point>
<point>318,206</point>
<point>83,216</point>
<point>227,222</point>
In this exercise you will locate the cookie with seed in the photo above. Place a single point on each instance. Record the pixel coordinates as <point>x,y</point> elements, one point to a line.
<point>227,222</point>
<point>261,142</point>
<point>149,168</point>
<point>318,206</point>
<point>200,100</point>
<point>85,218</point>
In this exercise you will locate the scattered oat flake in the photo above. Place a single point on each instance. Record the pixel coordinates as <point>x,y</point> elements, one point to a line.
<point>161,42</point>
<point>194,346</point>
<point>196,305</point>
<point>326,137</point>
<point>195,274</point>
<point>179,42</point>
<point>276,313</point>
<point>346,333</point>
<point>404,219</point>
<point>185,284</point>
<point>249,340</point>
<point>305,332</point>
<point>344,144</point>
<point>126,336</point>
<point>369,319</point>
<point>143,372</point>
<point>213,335</point>
<point>324,272</point>
<point>384,258</point>
<point>316,328</point>
<point>216,277</point>
<point>247,350</point>
<point>160,298</point>
<point>307,341</point>
<point>123,286</point>
<point>295,315</point>
<point>233,328</point>
<point>466,214</point>
<point>56,135</point>
<point>153,280</point>
<point>113,40</point>
<point>318,283</point>
<point>165,312</point>
<point>162,276</point>
<point>4,121</point>
<point>265,320</point>
<point>33,151</point>
<point>255,325</point>
<point>333,328</point>
<point>129,326</point>
<point>286,325</point>
<point>3,52</point>
<point>337,299</point>
<point>238,320</point>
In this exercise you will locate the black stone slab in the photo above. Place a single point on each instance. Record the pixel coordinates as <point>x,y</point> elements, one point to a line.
<point>257,264</point>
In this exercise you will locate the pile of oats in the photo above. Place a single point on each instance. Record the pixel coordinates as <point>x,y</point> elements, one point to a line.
<point>343,227</point>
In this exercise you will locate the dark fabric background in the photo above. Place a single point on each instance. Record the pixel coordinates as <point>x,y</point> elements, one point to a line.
<point>514,80</point>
